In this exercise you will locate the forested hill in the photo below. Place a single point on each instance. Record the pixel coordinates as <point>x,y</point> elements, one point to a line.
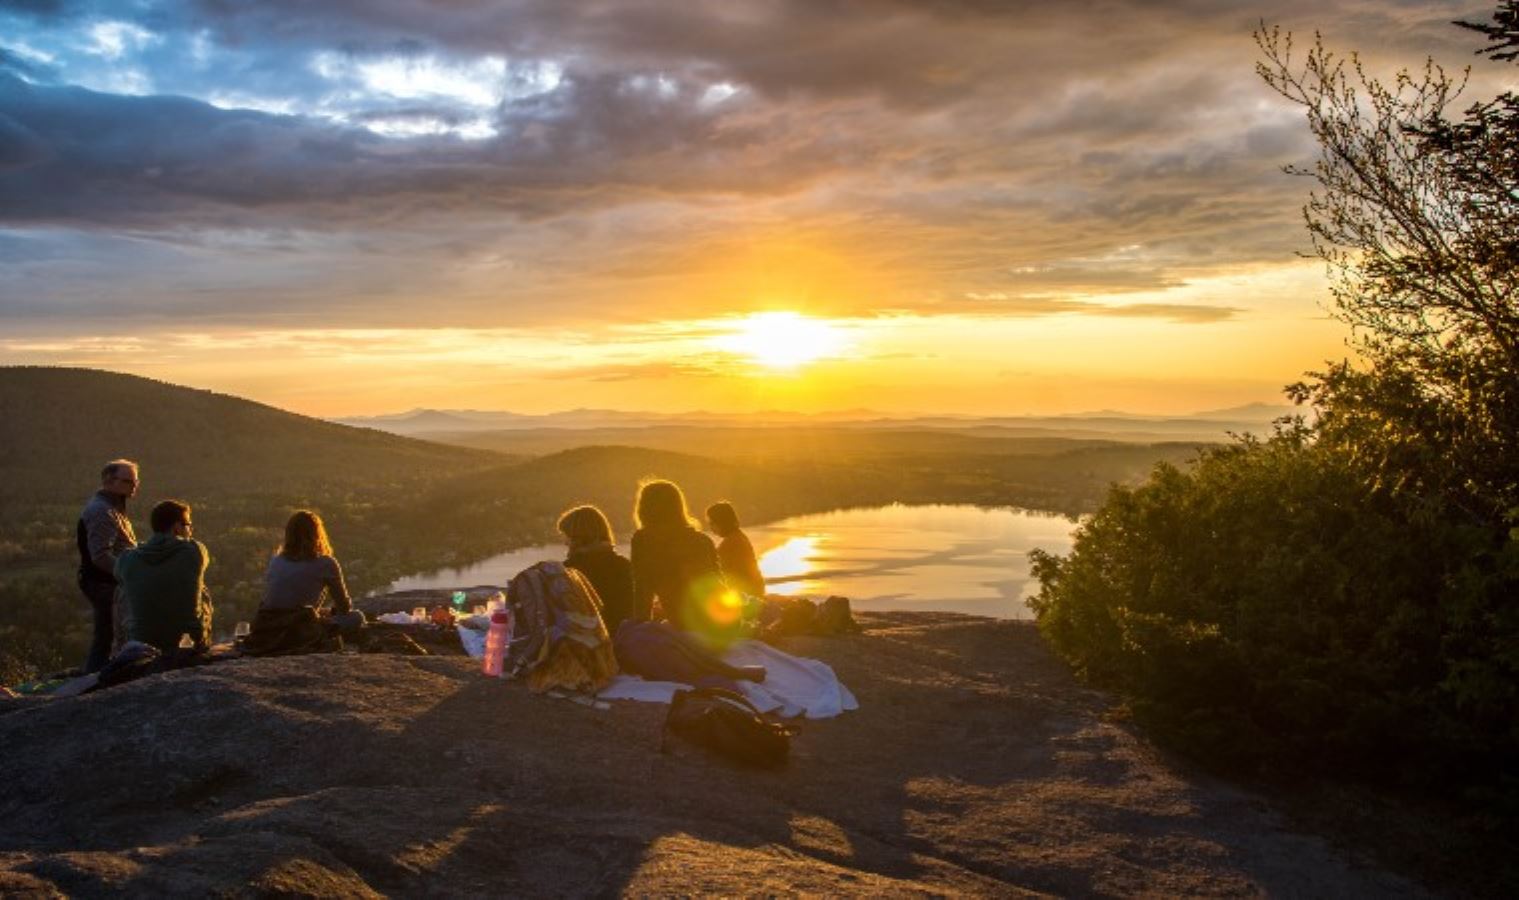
<point>397,505</point>
<point>57,426</point>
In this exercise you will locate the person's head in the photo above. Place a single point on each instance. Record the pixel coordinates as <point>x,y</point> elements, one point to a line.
<point>305,536</point>
<point>661,505</point>
<point>722,518</point>
<point>171,517</point>
<point>585,526</point>
<point>119,477</point>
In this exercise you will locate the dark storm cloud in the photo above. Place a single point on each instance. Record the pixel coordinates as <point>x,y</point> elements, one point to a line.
<point>98,160</point>
<point>1013,147</point>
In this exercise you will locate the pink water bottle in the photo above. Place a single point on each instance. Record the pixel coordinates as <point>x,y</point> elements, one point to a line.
<point>496,639</point>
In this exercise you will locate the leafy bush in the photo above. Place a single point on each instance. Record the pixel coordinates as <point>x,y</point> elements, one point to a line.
<point>1272,605</point>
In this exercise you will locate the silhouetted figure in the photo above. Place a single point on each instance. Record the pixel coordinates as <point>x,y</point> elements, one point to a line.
<point>593,552</point>
<point>674,561</point>
<point>163,581</point>
<point>303,572</point>
<point>104,533</point>
<point>735,555</point>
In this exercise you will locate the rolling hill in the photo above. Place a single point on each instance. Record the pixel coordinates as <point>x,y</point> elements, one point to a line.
<point>397,505</point>
<point>57,426</point>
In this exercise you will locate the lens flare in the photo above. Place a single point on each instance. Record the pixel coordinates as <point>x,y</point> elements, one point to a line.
<point>725,608</point>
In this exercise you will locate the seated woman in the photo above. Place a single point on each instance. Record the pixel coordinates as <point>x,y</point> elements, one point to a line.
<point>735,555</point>
<point>592,552</point>
<point>675,562</point>
<point>304,569</point>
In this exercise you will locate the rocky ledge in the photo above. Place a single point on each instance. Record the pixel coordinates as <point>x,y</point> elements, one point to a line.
<point>975,764</point>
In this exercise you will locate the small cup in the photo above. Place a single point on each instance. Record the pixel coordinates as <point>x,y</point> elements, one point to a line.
<point>241,630</point>
<point>419,615</point>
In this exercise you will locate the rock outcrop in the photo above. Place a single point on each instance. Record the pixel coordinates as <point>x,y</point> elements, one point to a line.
<point>975,764</point>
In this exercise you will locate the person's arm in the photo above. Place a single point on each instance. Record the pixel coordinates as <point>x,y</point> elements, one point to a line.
<point>707,558</point>
<point>101,532</point>
<point>200,630</point>
<point>622,580</point>
<point>729,562</point>
<point>752,573</point>
<point>337,589</point>
<point>643,580</point>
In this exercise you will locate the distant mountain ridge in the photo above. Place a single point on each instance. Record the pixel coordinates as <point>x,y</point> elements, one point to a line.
<point>1209,425</point>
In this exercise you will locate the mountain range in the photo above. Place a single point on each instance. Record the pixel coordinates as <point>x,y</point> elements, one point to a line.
<point>1211,425</point>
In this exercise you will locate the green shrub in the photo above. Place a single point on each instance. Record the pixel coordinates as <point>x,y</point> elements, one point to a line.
<point>1270,606</point>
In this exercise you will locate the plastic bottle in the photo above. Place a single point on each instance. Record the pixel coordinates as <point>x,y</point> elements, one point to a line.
<point>496,641</point>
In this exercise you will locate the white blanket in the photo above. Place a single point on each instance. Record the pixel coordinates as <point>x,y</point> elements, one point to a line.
<point>793,685</point>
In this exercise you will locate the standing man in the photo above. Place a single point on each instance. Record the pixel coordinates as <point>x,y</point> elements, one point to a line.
<point>103,534</point>
<point>163,582</point>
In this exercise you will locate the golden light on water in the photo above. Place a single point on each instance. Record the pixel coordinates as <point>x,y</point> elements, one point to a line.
<point>782,340</point>
<point>791,561</point>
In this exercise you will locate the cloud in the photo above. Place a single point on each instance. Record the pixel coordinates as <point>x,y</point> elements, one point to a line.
<point>1006,305</point>
<point>348,158</point>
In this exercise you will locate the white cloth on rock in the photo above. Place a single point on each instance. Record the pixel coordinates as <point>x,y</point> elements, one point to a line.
<point>793,685</point>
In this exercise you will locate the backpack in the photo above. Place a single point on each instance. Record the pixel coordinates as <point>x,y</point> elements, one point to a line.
<point>558,637</point>
<point>727,724</point>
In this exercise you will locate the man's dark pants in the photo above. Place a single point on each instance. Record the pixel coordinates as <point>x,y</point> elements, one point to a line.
<point>102,597</point>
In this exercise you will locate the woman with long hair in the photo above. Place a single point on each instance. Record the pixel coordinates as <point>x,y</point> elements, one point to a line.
<point>303,571</point>
<point>593,552</point>
<point>676,563</point>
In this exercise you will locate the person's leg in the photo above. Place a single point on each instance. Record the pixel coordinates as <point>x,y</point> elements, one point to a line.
<point>102,603</point>
<point>349,623</point>
<point>122,617</point>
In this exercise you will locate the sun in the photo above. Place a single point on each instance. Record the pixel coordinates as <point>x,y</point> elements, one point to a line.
<point>782,340</point>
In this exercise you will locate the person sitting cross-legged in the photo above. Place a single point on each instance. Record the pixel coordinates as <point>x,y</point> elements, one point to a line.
<point>163,580</point>
<point>677,564</point>
<point>304,572</point>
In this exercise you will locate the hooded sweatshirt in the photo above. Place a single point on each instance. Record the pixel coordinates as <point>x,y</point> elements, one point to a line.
<point>164,581</point>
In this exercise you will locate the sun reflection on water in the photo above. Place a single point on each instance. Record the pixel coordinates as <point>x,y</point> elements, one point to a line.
<point>787,566</point>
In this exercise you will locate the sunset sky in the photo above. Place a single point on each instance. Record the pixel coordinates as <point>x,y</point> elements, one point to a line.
<point>962,206</point>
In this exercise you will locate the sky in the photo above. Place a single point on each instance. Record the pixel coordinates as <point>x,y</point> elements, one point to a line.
<point>991,207</point>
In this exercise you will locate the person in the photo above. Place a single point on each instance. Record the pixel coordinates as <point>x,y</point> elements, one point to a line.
<point>593,553</point>
<point>103,534</point>
<point>163,581</point>
<point>303,571</point>
<point>674,562</point>
<point>735,555</point>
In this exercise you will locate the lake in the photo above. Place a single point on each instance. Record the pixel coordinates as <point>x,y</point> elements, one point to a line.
<point>952,558</point>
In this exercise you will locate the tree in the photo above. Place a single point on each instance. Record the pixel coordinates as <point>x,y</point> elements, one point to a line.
<point>1417,216</point>
<point>1345,593</point>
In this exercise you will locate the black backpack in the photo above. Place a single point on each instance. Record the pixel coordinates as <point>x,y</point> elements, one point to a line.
<point>726,723</point>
